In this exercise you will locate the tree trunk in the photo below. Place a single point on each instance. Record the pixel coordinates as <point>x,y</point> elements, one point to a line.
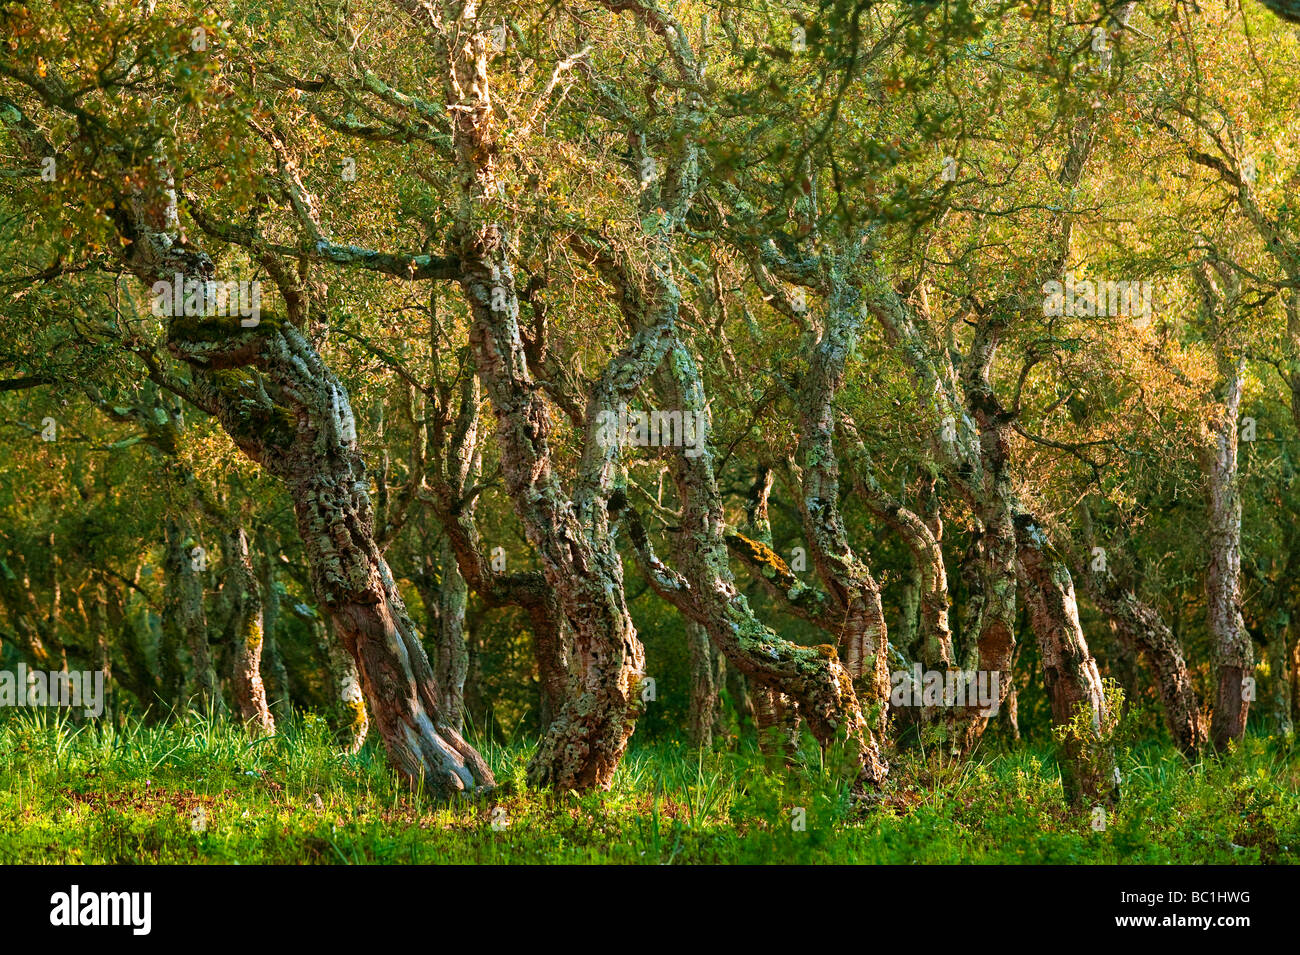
<point>453,501</point>
<point>1088,771</point>
<point>184,619</point>
<point>552,649</point>
<point>742,700</point>
<point>451,661</point>
<point>927,601</point>
<point>282,406</point>
<point>776,717</point>
<point>247,633</point>
<point>277,677</point>
<point>101,658</point>
<point>478,708</point>
<point>1233,654</point>
<point>310,444</point>
<point>704,694</point>
<point>991,578</point>
<point>1279,668</point>
<point>1140,624</point>
<point>776,720</point>
<point>862,641</point>
<point>583,746</point>
<point>705,590</point>
<point>353,723</point>
<point>357,590</point>
<point>1010,711</point>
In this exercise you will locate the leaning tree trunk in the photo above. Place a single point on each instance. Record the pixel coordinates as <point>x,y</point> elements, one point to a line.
<point>359,593</point>
<point>306,436</point>
<point>247,631</point>
<point>284,408</point>
<point>1141,625</point>
<point>1233,654</point>
<point>281,404</point>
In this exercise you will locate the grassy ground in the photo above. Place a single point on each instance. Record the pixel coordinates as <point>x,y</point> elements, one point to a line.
<point>198,791</point>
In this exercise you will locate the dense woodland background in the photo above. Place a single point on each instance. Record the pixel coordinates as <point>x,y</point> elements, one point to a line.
<point>829,229</point>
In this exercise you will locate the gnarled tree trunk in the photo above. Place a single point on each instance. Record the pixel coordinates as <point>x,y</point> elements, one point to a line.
<point>863,643</point>
<point>357,590</point>
<point>705,590</point>
<point>583,745</point>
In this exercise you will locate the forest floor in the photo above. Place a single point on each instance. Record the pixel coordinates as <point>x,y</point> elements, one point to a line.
<point>197,791</point>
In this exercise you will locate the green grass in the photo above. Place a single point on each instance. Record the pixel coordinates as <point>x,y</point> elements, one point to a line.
<point>197,791</point>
